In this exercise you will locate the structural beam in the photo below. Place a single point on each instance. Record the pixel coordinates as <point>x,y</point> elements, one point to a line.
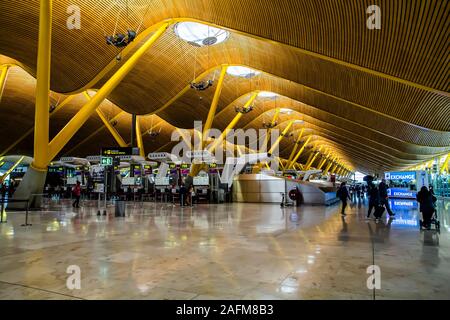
<point>272,123</point>
<point>3,74</point>
<point>445,164</point>
<point>233,122</point>
<point>283,134</point>
<point>294,150</point>
<point>108,125</point>
<point>41,118</point>
<point>3,177</point>
<point>214,103</point>
<point>196,167</point>
<point>316,154</point>
<point>93,134</point>
<point>61,139</point>
<point>140,143</point>
<point>111,129</point>
<point>299,152</point>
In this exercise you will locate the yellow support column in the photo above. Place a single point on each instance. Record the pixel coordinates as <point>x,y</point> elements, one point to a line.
<point>3,75</point>
<point>111,129</point>
<point>445,164</point>
<point>299,152</point>
<point>140,142</point>
<point>41,118</point>
<point>232,123</point>
<point>266,138</point>
<point>61,139</point>
<point>316,154</point>
<point>323,162</point>
<point>297,143</point>
<point>277,142</point>
<point>327,169</point>
<point>214,103</point>
<point>108,125</point>
<point>197,167</point>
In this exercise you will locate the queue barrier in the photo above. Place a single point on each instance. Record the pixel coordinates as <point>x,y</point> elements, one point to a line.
<point>7,200</point>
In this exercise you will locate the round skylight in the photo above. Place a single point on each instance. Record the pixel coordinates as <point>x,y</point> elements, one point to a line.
<point>238,71</point>
<point>199,34</point>
<point>267,94</point>
<point>285,110</point>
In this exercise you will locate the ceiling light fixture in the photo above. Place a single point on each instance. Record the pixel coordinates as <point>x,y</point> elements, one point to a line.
<point>200,35</point>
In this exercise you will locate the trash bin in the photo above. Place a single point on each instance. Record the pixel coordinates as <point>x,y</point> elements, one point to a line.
<point>221,196</point>
<point>120,208</point>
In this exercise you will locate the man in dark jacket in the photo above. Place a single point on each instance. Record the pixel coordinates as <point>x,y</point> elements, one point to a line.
<point>343,194</point>
<point>384,200</point>
<point>374,199</point>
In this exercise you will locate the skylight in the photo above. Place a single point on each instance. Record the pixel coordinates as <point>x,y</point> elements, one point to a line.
<point>200,35</point>
<point>238,71</point>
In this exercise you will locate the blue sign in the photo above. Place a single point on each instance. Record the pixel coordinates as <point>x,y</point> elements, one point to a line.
<point>403,204</point>
<point>401,193</point>
<point>405,175</point>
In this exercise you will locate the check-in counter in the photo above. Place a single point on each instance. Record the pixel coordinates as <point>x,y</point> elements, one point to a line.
<point>262,188</point>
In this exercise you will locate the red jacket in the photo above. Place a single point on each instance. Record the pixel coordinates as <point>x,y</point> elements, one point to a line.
<point>77,190</point>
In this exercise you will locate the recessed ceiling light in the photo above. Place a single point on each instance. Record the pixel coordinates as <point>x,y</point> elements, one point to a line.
<point>238,71</point>
<point>267,94</point>
<point>299,121</point>
<point>199,34</point>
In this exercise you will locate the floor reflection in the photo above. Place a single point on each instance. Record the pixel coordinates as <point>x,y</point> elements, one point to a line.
<point>229,251</point>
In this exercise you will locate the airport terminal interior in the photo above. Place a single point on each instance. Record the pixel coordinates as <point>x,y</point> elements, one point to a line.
<point>224,150</point>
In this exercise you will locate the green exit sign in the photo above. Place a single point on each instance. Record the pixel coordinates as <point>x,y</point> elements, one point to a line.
<point>106,161</point>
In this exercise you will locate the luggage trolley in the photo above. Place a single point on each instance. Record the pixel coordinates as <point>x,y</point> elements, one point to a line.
<point>434,221</point>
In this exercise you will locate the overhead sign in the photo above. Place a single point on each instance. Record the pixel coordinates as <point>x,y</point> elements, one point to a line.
<point>184,166</point>
<point>159,156</point>
<point>117,151</point>
<point>106,161</point>
<point>93,158</point>
<point>405,175</point>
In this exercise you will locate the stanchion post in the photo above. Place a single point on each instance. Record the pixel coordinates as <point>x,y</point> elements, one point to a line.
<point>1,213</point>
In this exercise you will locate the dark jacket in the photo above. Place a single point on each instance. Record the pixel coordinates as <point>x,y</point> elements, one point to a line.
<point>342,193</point>
<point>383,188</point>
<point>426,200</point>
<point>374,195</point>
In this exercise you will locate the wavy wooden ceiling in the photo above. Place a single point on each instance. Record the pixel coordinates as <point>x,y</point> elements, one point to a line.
<point>386,89</point>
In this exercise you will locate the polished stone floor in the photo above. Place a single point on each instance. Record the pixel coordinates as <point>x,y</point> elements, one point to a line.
<point>226,251</point>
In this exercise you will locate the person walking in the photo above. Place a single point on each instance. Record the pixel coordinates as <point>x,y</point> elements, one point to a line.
<point>343,194</point>
<point>427,206</point>
<point>384,200</point>
<point>372,192</point>
<point>77,194</point>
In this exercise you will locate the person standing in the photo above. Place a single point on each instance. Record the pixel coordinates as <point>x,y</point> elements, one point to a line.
<point>77,194</point>
<point>426,201</point>
<point>343,194</point>
<point>183,192</point>
<point>384,200</point>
